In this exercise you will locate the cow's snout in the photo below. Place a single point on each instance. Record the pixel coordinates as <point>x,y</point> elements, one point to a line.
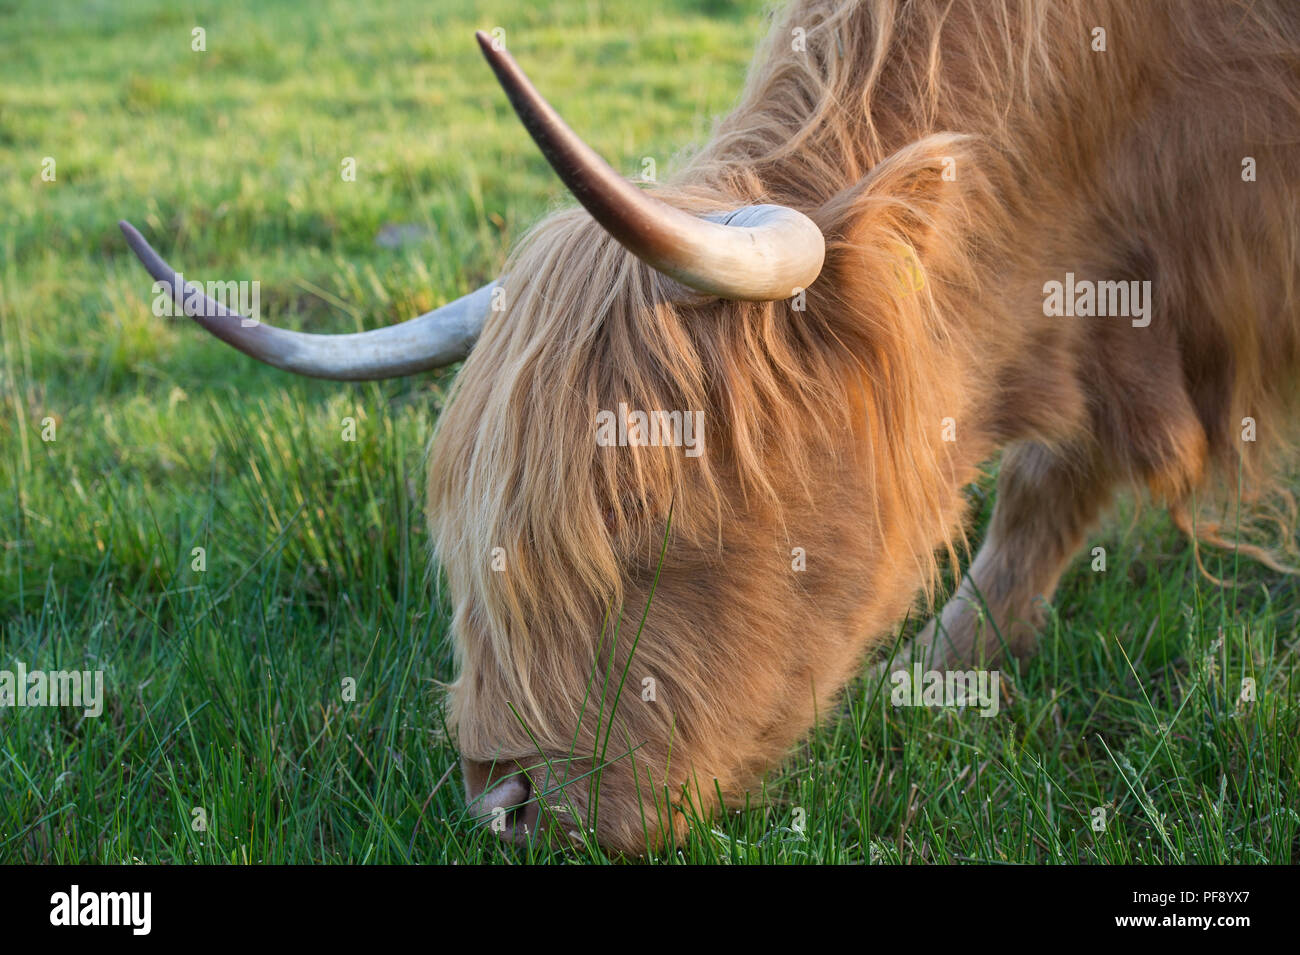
<point>500,796</point>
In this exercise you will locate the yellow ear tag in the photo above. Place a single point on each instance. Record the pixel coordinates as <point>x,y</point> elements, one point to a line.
<point>907,270</point>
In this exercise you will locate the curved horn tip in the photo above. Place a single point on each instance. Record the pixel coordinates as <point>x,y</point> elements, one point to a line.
<point>138,243</point>
<point>776,248</point>
<point>485,42</point>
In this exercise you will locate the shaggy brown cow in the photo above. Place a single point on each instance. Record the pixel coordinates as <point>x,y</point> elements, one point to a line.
<point>981,174</point>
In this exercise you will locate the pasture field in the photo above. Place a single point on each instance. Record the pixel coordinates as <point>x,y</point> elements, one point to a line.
<point>223,685</point>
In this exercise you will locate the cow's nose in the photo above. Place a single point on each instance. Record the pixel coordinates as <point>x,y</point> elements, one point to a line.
<point>503,802</point>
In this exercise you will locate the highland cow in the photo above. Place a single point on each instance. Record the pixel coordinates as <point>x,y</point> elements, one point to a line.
<point>851,282</point>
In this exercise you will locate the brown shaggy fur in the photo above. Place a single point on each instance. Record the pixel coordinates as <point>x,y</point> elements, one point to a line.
<point>824,427</point>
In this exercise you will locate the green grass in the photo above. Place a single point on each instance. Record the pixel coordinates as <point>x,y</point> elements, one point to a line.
<point>224,686</point>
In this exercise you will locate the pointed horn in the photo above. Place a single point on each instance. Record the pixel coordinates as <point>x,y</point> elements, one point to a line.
<point>432,340</point>
<point>758,253</point>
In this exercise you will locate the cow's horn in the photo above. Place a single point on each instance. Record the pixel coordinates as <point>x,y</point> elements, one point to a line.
<point>757,253</point>
<point>432,340</point>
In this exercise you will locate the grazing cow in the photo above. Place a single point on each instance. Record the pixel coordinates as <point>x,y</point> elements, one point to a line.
<point>930,231</point>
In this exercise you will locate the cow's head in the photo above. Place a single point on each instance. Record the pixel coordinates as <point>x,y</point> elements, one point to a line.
<point>648,611</point>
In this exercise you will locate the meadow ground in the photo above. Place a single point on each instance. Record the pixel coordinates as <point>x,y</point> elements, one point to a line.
<point>224,685</point>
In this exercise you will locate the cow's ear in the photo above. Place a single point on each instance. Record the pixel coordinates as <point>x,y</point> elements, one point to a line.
<point>914,202</point>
